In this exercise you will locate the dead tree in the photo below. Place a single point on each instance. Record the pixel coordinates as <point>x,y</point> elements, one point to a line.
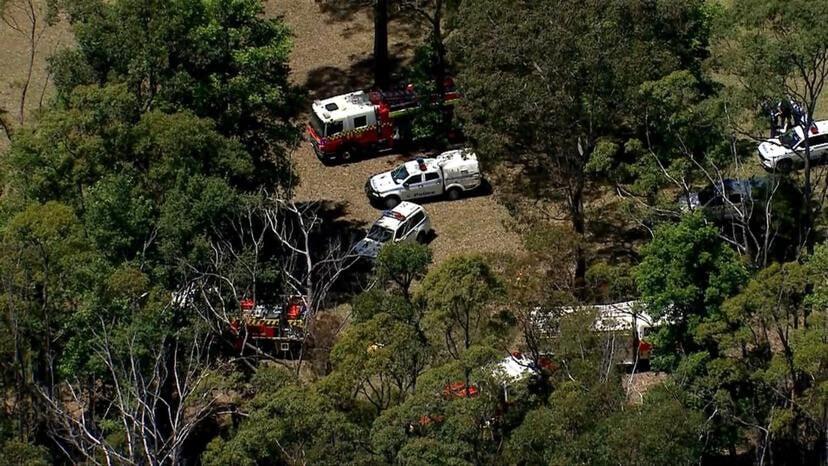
<point>314,262</point>
<point>290,237</point>
<point>155,403</point>
<point>741,236</point>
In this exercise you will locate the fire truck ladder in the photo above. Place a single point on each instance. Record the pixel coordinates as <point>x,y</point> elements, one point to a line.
<point>398,100</point>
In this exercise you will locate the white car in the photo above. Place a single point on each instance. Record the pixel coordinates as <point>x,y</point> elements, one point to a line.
<point>451,173</point>
<point>405,222</point>
<point>788,150</point>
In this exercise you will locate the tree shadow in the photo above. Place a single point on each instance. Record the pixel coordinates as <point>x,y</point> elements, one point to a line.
<point>327,81</point>
<point>337,229</point>
<point>401,24</point>
<point>612,236</point>
<point>338,10</point>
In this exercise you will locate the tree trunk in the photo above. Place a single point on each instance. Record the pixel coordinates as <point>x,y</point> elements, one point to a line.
<point>805,238</point>
<point>439,69</point>
<point>576,208</point>
<point>382,78</point>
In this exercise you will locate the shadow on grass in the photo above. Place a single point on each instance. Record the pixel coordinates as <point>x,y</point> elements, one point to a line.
<point>328,81</point>
<point>336,235</point>
<point>403,24</point>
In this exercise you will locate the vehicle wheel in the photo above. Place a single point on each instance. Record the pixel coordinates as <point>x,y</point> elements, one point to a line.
<point>784,165</point>
<point>391,202</point>
<point>453,194</point>
<point>347,154</point>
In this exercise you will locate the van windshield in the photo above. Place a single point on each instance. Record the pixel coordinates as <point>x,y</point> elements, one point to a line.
<point>380,234</point>
<point>317,124</point>
<point>399,174</point>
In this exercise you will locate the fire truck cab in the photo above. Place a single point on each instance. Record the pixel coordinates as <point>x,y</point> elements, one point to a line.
<point>340,127</point>
<point>346,125</point>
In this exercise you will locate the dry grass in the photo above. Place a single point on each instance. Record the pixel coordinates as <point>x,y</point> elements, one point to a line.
<point>14,59</point>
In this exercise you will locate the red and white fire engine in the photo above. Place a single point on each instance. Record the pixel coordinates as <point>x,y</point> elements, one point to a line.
<point>361,122</point>
<point>279,328</point>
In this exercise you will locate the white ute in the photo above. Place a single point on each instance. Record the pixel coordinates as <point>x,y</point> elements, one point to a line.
<point>405,222</point>
<point>788,150</point>
<point>451,173</point>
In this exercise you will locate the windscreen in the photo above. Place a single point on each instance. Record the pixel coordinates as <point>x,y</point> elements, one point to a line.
<point>399,174</point>
<point>380,234</point>
<point>789,139</point>
<point>317,124</point>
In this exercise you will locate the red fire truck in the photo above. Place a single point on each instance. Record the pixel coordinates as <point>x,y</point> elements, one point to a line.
<point>279,328</point>
<point>361,122</point>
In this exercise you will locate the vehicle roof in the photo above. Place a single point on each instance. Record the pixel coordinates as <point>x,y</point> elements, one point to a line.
<point>446,159</point>
<point>342,106</point>
<point>613,317</point>
<point>405,209</point>
<point>462,154</point>
<point>514,367</point>
<point>822,128</point>
<point>413,166</point>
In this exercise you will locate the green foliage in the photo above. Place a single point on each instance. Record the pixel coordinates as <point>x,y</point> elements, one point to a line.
<point>432,119</point>
<point>526,99</point>
<point>661,431</point>
<point>403,263</point>
<point>289,422</point>
<point>118,215</point>
<point>379,359</point>
<point>612,283</point>
<point>218,59</point>
<point>771,44</point>
<point>171,115</point>
<point>437,415</point>
<point>69,69</point>
<point>567,431</point>
<point>457,295</point>
<point>18,453</point>
<point>686,126</point>
<point>687,272</point>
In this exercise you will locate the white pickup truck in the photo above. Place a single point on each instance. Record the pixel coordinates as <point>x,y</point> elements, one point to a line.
<point>451,173</point>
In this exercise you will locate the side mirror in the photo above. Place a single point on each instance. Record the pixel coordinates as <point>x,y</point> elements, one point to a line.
<point>406,185</point>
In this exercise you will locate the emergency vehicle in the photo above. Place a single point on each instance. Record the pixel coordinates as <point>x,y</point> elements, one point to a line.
<point>347,125</point>
<point>279,328</point>
<point>405,222</point>
<point>787,151</point>
<point>451,174</point>
<point>628,319</point>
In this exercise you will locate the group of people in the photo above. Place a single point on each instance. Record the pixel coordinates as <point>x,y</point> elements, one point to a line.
<point>784,114</point>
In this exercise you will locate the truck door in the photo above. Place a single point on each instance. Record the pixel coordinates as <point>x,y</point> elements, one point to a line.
<point>402,231</point>
<point>413,187</point>
<point>432,184</point>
